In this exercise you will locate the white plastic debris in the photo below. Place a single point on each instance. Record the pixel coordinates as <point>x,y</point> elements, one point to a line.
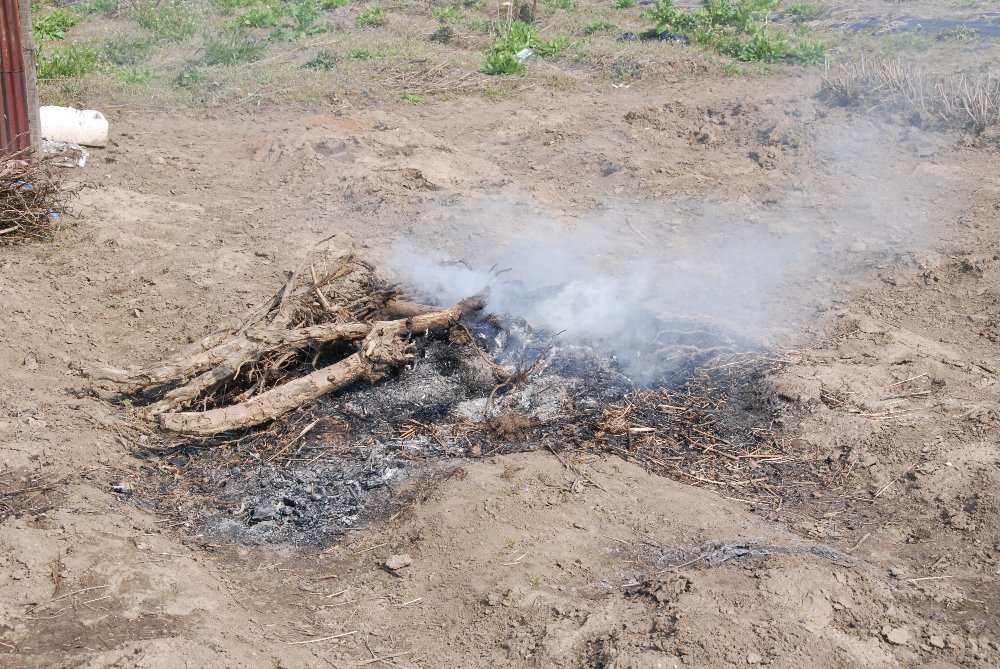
<point>65,154</point>
<point>76,126</point>
<point>524,54</point>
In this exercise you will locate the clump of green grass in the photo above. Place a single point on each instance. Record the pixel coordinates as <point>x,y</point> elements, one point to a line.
<point>97,7</point>
<point>361,54</point>
<point>303,15</point>
<point>738,28</point>
<point>135,76</point>
<point>127,51</point>
<point>228,7</point>
<point>53,25</point>
<point>503,62</point>
<point>809,52</point>
<point>66,62</point>
<point>560,4</point>
<point>623,4</point>
<point>233,45</point>
<point>411,99</point>
<point>601,27</point>
<point>189,76</point>
<point>323,60</point>
<point>332,4</point>
<point>512,37</point>
<point>447,13</point>
<point>267,15</point>
<point>801,11</point>
<point>174,21</point>
<point>372,17</point>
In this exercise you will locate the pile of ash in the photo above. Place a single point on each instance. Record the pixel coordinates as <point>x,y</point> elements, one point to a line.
<point>367,452</point>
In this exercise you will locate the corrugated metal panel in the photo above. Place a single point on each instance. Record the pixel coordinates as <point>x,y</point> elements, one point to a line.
<point>14,131</point>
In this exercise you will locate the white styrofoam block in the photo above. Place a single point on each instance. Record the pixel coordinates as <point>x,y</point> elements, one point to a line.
<point>77,126</point>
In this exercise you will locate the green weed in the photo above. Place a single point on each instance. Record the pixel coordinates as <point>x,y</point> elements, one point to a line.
<point>560,4</point>
<point>809,52</point>
<point>503,62</point>
<point>536,581</point>
<point>603,27</point>
<point>127,51</point>
<point>623,4</point>
<point>737,28</point>
<point>173,21</point>
<point>53,25</point>
<point>64,62</point>
<point>135,76</point>
<point>230,6</point>
<point>263,16</point>
<point>411,99</point>
<point>97,7</point>
<point>233,45</point>
<point>332,4</point>
<point>801,11</point>
<point>324,60</point>
<point>188,77</point>
<point>448,13</point>
<point>361,54</point>
<point>372,17</point>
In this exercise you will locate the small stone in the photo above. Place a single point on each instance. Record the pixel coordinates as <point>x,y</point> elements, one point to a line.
<point>754,658</point>
<point>936,641</point>
<point>397,562</point>
<point>898,636</point>
<point>30,363</point>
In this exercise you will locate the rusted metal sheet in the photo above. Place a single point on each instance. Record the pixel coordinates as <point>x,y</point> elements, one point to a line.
<point>14,131</point>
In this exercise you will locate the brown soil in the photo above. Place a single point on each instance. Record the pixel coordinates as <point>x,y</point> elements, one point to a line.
<point>528,559</point>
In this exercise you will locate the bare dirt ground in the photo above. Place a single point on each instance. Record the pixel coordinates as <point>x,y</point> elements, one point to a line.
<point>889,320</point>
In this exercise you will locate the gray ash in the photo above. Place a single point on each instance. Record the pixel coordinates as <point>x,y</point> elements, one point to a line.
<point>368,452</point>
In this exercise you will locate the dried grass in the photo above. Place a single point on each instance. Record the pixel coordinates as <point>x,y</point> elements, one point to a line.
<point>963,100</point>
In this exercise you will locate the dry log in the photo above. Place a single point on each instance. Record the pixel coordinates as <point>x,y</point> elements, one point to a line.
<point>381,350</point>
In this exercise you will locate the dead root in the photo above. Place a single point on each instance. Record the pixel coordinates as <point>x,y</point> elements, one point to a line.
<point>329,326</point>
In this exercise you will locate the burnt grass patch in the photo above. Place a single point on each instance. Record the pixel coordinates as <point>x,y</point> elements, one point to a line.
<point>369,452</point>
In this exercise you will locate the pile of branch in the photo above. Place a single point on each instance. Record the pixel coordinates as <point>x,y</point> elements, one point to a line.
<point>31,195</point>
<point>332,324</point>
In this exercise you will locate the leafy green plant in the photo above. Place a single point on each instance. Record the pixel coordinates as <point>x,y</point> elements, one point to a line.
<point>515,36</point>
<point>262,16</point>
<point>801,11</point>
<point>136,76</point>
<point>962,33</point>
<point>623,4</point>
<point>602,27</point>
<point>737,28</point>
<point>323,60</point>
<point>127,51</point>
<point>173,21</point>
<point>187,77</point>
<point>411,99</point>
<point>764,47</point>
<point>561,4</point>
<point>536,581</point>
<point>230,6</point>
<point>372,17</point>
<point>553,47</point>
<point>332,4</point>
<point>233,45</point>
<point>447,13</point>
<point>65,62</point>
<point>503,62</point>
<point>97,7</point>
<point>361,54</point>
<point>809,52</point>
<point>53,25</point>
